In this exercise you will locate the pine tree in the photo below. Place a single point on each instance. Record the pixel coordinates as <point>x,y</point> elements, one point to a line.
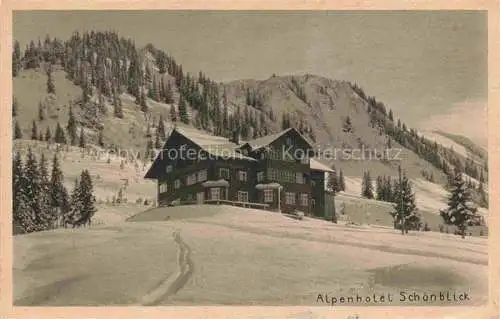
<point>332,182</point>
<point>173,114</point>
<point>51,87</point>
<point>86,198</point>
<point>183,111</point>
<point>483,198</point>
<point>33,192</point>
<point>154,94</point>
<point>21,214</point>
<point>58,193</point>
<point>74,213</point>
<point>149,149</point>
<point>367,186</point>
<point>71,127</point>
<point>481,177</point>
<point>82,142</point>
<point>117,106</point>
<point>34,131</point>
<point>405,210</point>
<point>380,189</point>
<point>342,181</point>
<point>248,97</point>
<point>169,95</point>
<point>86,92</point>
<point>41,113</point>
<point>59,135</point>
<point>391,116</point>
<point>48,135</point>
<point>16,58</point>
<point>48,216</point>
<point>133,75</point>
<point>460,210</point>
<point>388,190</point>
<point>144,106</point>
<point>157,141</point>
<point>161,127</point>
<point>18,134</point>
<point>101,103</point>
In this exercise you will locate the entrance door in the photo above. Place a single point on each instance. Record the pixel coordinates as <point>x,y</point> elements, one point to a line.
<point>200,198</point>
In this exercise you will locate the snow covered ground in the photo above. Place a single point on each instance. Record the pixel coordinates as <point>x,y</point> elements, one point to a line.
<point>429,197</point>
<point>221,255</point>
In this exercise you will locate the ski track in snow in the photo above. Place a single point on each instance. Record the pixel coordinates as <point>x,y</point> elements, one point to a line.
<point>172,284</point>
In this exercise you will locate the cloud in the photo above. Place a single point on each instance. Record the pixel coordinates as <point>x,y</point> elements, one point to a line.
<point>468,118</point>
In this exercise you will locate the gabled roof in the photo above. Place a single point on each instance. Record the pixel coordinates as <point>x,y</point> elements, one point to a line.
<point>221,147</point>
<point>316,165</point>
<point>266,140</point>
<point>201,138</point>
<point>214,145</point>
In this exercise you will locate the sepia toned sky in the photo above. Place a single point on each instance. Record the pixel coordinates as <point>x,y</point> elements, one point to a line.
<point>418,63</point>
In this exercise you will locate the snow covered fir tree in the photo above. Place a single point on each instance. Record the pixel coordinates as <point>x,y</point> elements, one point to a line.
<point>460,212</point>
<point>41,202</point>
<point>405,211</point>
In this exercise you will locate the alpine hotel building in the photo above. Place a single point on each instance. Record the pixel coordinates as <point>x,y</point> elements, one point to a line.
<point>276,170</point>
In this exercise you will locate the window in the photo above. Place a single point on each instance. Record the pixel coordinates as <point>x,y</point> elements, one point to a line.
<point>224,173</point>
<point>262,155</point>
<point>268,195</point>
<point>299,178</point>
<point>313,203</point>
<point>189,197</point>
<point>260,176</point>
<point>288,141</point>
<point>242,196</point>
<point>313,183</point>
<point>191,179</point>
<point>202,175</point>
<point>272,174</point>
<point>290,198</point>
<point>242,176</point>
<point>177,183</point>
<point>274,154</point>
<point>304,198</point>
<point>215,193</point>
<point>169,168</point>
<point>163,187</point>
<point>286,176</point>
<point>304,159</point>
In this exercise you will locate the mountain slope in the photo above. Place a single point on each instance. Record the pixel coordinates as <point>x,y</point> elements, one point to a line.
<point>327,105</point>
<point>473,149</point>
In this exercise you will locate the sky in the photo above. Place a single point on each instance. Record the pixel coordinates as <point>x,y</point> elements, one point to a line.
<point>422,64</point>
